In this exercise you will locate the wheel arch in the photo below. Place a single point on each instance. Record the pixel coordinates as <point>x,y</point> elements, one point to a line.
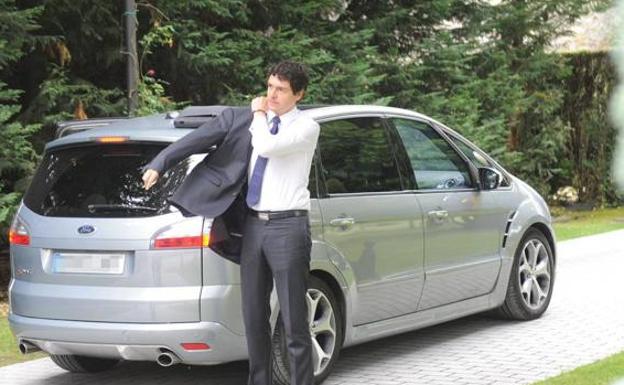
<point>333,284</point>
<point>548,233</point>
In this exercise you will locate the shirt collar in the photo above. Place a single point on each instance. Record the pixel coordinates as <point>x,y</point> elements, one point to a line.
<point>285,119</point>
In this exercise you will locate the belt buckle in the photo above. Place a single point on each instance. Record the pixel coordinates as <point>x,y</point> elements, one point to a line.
<point>263,215</point>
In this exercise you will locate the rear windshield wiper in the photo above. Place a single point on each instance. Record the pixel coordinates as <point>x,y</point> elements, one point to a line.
<point>118,207</point>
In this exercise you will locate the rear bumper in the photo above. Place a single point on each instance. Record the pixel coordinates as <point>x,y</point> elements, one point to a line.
<point>131,341</point>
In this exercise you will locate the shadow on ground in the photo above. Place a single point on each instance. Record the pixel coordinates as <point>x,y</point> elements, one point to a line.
<point>139,373</point>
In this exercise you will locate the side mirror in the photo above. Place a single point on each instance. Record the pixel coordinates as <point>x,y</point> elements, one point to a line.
<point>489,178</point>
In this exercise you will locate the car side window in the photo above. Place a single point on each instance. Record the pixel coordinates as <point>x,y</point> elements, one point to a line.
<point>312,179</point>
<point>436,165</point>
<point>475,157</point>
<point>471,154</point>
<point>356,156</point>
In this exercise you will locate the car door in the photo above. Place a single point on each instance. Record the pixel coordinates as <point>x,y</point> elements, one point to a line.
<point>463,226</point>
<point>368,220</point>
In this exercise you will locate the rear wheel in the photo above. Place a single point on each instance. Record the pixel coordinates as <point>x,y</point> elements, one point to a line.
<point>325,321</point>
<point>532,277</point>
<point>83,364</point>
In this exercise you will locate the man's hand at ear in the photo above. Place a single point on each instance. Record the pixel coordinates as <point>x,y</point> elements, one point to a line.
<point>260,104</point>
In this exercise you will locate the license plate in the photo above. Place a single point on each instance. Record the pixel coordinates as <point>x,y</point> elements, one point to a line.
<point>88,263</point>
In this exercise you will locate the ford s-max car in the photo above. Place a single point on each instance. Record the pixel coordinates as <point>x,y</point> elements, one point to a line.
<point>412,225</point>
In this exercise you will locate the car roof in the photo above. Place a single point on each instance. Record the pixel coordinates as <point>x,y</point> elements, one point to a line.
<point>162,127</point>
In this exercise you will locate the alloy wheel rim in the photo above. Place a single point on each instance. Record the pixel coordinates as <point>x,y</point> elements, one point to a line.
<point>322,321</point>
<point>534,274</point>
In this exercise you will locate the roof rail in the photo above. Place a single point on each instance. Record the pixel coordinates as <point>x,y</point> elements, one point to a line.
<point>311,106</point>
<point>67,127</point>
<point>195,116</point>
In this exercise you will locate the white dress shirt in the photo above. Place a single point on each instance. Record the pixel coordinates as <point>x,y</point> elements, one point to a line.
<point>289,153</point>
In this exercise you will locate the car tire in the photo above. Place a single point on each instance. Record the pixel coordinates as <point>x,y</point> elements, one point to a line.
<point>326,329</point>
<point>531,281</point>
<point>83,364</point>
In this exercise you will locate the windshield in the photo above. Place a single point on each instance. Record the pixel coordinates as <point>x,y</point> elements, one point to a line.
<point>101,181</point>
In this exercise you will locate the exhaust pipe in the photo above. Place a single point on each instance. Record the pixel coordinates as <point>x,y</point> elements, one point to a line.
<point>167,358</point>
<point>26,347</point>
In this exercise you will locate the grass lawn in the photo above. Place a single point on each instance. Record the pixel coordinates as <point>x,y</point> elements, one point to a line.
<point>571,224</point>
<point>609,371</point>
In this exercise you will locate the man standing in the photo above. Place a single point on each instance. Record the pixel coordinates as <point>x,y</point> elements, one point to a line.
<point>276,237</point>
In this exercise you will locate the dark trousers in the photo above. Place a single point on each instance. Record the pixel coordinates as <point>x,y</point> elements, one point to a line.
<point>278,249</point>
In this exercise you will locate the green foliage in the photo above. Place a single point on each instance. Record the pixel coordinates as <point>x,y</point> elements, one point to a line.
<point>590,142</point>
<point>17,156</point>
<point>221,55</point>
<point>152,98</point>
<point>151,90</point>
<point>61,93</point>
<point>92,33</point>
<point>15,28</point>
<point>157,36</point>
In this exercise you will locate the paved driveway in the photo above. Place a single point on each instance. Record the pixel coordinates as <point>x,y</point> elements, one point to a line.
<point>585,322</point>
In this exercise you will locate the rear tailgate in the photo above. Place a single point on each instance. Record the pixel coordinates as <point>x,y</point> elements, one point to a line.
<point>90,256</point>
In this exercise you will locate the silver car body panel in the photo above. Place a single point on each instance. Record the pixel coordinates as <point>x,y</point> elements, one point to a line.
<point>131,341</point>
<point>395,268</point>
<point>383,248</point>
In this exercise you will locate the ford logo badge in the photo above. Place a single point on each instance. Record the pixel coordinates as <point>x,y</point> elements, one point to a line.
<point>86,229</point>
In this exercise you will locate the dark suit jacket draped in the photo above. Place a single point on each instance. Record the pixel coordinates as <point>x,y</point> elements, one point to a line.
<point>216,181</point>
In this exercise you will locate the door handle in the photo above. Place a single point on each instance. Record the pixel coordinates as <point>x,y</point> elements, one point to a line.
<point>342,222</point>
<point>438,214</point>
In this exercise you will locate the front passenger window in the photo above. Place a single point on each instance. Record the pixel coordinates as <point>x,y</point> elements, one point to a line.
<point>436,165</point>
<point>475,157</point>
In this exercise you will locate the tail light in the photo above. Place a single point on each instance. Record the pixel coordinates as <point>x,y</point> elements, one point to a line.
<point>190,233</point>
<point>18,233</point>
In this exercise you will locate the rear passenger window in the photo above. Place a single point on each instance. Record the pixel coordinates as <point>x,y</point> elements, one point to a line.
<point>435,163</point>
<point>356,156</point>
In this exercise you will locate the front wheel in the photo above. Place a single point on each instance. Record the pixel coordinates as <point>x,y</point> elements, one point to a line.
<point>83,364</point>
<point>532,278</point>
<point>325,320</point>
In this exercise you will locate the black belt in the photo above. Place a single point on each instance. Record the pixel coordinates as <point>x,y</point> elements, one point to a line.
<point>269,215</point>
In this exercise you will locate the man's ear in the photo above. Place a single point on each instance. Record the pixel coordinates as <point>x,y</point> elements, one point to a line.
<point>299,95</point>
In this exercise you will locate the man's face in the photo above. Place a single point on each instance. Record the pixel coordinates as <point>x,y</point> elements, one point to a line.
<point>280,96</point>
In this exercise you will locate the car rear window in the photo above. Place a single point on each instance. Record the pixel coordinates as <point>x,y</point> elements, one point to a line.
<point>101,181</point>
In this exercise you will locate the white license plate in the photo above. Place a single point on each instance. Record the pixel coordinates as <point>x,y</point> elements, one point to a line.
<point>88,263</point>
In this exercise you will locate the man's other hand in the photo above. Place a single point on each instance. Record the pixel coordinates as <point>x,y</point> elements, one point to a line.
<point>150,177</point>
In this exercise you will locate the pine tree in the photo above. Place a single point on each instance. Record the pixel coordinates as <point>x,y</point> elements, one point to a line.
<point>17,156</point>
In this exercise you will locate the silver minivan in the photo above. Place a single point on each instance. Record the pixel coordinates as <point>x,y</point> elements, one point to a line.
<point>412,225</point>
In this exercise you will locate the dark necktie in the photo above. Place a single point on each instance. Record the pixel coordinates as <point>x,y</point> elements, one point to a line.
<point>255,182</point>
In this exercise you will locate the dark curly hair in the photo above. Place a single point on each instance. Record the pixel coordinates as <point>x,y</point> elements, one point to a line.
<point>295,73</point>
